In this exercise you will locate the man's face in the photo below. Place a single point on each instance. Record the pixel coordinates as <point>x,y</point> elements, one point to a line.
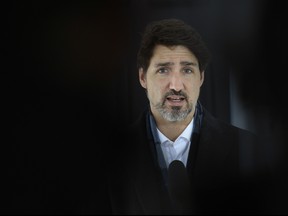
<point>173,82</point>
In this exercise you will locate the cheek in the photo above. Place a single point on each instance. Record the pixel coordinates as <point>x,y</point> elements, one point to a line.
<point>194,91</point>
<point>155,92</point>
<point>157,87</point>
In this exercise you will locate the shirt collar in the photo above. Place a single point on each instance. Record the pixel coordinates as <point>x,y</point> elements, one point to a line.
<point>186,134</point>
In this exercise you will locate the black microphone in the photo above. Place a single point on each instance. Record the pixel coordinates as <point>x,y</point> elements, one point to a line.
<point>179,187</point>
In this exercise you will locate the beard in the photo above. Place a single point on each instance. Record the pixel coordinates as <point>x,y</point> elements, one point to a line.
<point>174,113</point>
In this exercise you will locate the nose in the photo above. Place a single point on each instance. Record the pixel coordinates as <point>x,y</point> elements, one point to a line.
<point>176,82</point>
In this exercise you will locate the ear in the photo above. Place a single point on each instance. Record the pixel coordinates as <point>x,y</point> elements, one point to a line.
<point>202,77</point>
<point>142,78</point>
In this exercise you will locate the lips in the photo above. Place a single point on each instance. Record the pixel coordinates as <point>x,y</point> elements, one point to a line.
<point>175,98</point>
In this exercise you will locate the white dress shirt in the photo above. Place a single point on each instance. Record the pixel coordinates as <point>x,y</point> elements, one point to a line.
<point>179,149</point>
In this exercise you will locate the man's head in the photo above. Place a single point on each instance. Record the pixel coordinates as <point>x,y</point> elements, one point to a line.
<point>171,32</point>
<point>171,62</point>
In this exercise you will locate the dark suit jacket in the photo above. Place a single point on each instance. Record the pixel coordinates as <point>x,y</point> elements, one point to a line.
<point>225,169</point>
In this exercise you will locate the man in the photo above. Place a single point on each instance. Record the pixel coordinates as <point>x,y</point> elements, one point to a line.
<point>177,158</point>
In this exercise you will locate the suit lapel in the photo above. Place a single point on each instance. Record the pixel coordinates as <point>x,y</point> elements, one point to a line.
<point>208,153</point>
<point>147,177</point>
<point>151,195</point>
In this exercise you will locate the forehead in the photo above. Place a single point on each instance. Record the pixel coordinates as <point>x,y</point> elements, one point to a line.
<point>172,53</point>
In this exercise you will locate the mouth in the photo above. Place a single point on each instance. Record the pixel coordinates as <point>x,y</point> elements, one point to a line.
<point>175,100</point>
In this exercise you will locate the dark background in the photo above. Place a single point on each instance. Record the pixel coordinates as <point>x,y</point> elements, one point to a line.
<point>69,80</point>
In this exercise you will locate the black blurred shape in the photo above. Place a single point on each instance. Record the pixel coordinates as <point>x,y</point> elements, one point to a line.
<point>179,187</point>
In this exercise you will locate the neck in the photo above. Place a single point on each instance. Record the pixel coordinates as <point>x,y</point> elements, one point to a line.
<point>172,130</point>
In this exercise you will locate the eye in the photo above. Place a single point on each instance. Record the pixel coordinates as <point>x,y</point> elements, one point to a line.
<point>187,70</point>
<point>163,70</point>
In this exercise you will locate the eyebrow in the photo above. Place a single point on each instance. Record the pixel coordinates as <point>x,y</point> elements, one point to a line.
<point>183,63</point>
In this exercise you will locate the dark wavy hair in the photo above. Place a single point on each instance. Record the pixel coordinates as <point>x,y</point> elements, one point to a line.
<point>171,32</point>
